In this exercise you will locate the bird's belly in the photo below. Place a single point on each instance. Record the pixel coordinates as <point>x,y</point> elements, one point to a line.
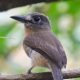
<point>38,59</point>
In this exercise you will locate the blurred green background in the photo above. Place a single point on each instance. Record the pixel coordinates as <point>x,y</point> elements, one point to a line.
<point>65,22</point>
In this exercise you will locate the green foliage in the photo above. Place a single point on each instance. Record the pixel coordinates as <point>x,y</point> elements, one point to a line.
<point>39,70</point>
<point>4,31</point>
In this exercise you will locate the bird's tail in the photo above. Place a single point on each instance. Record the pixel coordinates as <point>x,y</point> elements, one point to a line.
<point>56,72</point>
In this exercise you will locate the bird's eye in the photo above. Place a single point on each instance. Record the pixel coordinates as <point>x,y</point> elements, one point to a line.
<point>37,19</point>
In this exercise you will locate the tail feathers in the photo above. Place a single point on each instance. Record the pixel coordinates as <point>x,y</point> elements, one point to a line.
<point>56,72</point>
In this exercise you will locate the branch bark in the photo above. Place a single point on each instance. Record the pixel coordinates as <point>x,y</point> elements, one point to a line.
<point>8,4</point>
<point>41,76</point>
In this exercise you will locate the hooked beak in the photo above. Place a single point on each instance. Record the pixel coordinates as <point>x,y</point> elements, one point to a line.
<point>21,19</point>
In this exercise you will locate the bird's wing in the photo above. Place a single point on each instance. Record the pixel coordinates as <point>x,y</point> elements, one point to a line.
<point>60,50</point>
<point>44,48</point>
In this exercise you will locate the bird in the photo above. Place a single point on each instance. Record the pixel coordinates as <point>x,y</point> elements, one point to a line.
<point>41,44</point>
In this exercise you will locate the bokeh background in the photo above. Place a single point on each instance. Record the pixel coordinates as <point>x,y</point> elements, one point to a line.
<point>65,22</point>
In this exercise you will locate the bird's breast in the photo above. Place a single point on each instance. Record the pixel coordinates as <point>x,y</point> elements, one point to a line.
<point>38,59</point>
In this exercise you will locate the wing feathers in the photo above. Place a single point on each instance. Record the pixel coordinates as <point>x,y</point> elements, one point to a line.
<point>44,48</point>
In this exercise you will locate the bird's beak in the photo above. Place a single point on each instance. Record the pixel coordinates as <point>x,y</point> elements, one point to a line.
<point>19,18</point>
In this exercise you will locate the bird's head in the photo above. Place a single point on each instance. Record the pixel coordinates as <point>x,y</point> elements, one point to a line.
<point>34,21</point>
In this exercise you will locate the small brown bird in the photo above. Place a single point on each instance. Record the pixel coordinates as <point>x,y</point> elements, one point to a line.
<point>39,38</point>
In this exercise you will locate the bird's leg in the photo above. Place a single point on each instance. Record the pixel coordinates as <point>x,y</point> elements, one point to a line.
<point>29,71</point>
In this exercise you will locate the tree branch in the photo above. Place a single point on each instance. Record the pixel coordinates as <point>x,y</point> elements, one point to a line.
<point>41,76</point>
<point>8,4</point>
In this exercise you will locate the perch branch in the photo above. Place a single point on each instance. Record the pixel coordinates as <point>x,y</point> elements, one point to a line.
<point>41,76</point>
<point>8,4</point>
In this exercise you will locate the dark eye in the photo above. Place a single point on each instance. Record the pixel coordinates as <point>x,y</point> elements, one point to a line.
<point>37,19</point>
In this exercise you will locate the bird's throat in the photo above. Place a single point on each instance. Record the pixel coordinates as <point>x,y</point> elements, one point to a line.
<point>28,32</point>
